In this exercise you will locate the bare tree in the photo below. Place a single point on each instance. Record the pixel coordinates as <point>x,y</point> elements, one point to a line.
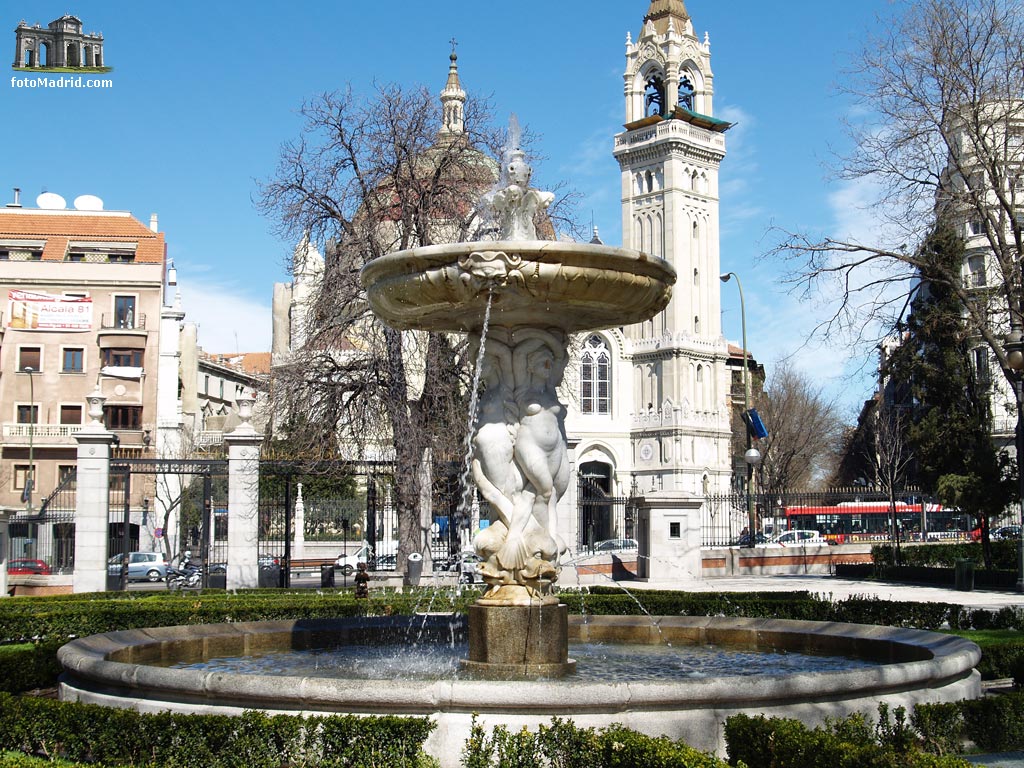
<point>943,88</point>
<point>372,176</point>
<point>891,459</point>
<point>804,432</point>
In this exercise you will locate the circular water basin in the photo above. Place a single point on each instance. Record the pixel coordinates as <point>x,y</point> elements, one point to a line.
<point>130,669</point>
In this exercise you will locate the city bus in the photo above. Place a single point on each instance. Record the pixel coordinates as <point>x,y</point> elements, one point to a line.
<point>872,521</point>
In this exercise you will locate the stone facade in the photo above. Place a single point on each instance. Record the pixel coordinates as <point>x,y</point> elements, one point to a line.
<point>61,44</point>
<point>651,408</point>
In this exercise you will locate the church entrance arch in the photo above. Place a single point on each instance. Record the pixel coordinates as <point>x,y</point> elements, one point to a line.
<point>601,516</point>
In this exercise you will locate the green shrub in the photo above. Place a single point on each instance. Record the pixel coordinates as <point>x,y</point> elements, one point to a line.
<point>565,745</point>
<point>762,742</point>
<point>995,723</point>
<point>940,727</point>
<point>94,734</point>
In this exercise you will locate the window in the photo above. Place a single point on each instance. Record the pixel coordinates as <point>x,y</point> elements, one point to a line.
<point>981,367</point>
<point>28,414</point>
<point>73,360</point>
<point>76,257</point>
<point>976,266</point>
<point>5,255</point>
<point>222,389</point>
<point>64,471</point>
<point>124,311</point>
<point>121,258</point>
<point>122,417</point>
<point>206,385</point>
<point>21,475</point>
<point>675,531</point>
<point>30,357</point>
<point>35,256</point>
<point>596,376</point>
<point>71,414</point>
<point>975,227</point>
<point>123,357</point>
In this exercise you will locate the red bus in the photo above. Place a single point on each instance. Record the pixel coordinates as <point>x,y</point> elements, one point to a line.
<point>872,521</point>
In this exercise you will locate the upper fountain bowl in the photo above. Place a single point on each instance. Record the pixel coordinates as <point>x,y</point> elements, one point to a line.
<point>572,286</point>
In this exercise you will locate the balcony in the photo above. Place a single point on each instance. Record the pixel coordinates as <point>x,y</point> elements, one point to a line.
<point>109,322</point>
<point>41,434</point>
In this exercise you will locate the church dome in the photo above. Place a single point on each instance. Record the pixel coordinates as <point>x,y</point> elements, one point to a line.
<point>660,11</point>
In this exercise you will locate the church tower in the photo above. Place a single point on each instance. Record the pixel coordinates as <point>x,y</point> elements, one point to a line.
<point>669,156</point>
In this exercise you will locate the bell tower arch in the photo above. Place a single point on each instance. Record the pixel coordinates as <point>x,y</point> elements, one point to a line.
<point>669,155</point>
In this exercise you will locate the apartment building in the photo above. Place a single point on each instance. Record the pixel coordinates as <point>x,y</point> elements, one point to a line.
<point>81,290</point>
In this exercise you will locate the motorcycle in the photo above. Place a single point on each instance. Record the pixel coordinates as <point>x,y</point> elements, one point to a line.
<point>186,577</point>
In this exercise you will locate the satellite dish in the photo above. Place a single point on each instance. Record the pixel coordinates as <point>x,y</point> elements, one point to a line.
<point>88,203</point>
<point>51,201</point>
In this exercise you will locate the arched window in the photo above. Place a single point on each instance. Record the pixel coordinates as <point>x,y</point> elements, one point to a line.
<point>696,324</point>
<point>595,376</point>
<point>654,96</point>
<point>685,92</point>
<point>650,181</point>
<point>696,279</point>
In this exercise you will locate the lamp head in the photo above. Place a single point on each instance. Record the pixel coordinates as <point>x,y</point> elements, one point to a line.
<point>1014,346</point>
<point>725,277</point>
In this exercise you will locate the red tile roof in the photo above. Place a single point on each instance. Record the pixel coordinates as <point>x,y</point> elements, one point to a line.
<point>58,230</point>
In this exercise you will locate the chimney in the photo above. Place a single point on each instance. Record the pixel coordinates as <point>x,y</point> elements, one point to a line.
<point>154,225</point>
<point>17,199</point>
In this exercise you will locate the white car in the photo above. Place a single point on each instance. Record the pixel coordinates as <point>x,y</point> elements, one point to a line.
<point>796,539</point>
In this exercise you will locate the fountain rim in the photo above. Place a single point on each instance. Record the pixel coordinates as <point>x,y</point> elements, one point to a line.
<point>87,664</point>
<point>415,260</point>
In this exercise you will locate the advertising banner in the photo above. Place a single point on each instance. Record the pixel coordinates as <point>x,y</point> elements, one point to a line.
<point>29,311</point>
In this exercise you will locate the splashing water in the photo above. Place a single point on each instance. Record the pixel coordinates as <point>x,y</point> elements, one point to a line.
<point>466,502</point>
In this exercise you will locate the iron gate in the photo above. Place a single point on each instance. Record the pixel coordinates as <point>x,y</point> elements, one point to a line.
<point>170,505</point>
<point>602,517</point>
<point>48,534</point>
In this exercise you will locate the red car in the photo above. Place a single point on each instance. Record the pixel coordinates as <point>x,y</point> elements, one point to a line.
<point>28,567</point>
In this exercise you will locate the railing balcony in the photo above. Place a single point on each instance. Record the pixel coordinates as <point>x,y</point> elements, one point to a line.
<point>109,322</point>
<point>19,434</point>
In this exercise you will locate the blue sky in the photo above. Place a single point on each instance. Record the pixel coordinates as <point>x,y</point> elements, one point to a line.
<point>205,93</point>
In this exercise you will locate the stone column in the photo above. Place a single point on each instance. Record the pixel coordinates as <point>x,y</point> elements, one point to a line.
<point>92,507</point>
<point>299,522</point>
<point>243,499</point>
<point>668,524</point>
<point>5,545</point>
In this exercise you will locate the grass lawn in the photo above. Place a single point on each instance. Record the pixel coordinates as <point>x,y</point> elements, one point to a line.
<point>986,638</point>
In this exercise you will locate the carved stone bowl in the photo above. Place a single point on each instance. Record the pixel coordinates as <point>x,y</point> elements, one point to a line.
<point>572,286</point>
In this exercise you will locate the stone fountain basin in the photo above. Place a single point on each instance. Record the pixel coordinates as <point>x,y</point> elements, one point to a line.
<point>114,669</point>
<point>573,286</point>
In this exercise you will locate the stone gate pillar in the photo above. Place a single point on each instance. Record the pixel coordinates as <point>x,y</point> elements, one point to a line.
<point>92,500</point>
<point>668,532</point>
<point>243,500</point>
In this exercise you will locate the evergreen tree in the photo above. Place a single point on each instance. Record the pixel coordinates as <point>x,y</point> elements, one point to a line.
<point>950,430</point>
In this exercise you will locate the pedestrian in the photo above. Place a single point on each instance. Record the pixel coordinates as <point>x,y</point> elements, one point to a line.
<point>362,581</point>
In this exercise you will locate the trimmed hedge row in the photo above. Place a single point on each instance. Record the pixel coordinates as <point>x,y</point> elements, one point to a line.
<point>1004,554</point>
<point>565,745</point>
<point>93,734</point>
<point>993,723</point>
<point>852,742</point>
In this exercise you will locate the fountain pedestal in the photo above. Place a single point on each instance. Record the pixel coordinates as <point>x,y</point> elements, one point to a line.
<point>519,642</point>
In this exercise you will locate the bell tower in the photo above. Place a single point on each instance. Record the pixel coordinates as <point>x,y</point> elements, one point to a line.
<point>669,154</point>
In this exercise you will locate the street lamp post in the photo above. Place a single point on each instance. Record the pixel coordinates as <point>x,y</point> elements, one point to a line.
<point>752,456</point>
<point>30,480</point>
<point>1014,346</point>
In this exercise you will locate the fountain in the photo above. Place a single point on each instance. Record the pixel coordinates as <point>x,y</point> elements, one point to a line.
<point>530,295</point>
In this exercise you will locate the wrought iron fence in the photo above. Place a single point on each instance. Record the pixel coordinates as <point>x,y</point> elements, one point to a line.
<point>602,517</point>
<point>842,515</point>
<point>48,534</point>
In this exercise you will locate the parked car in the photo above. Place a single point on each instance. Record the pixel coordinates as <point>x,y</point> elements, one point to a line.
<point>744,539</point>
<point>1006,532</point>
<point>142,566</point>
<point>797,538</point>
<point>25,566</point>
<point>615,545</point>
<point>466,564</point>
<point>348,562</point>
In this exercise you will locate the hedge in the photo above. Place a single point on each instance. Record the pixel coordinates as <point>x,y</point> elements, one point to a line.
<point>993,723</point>
<point>1004,554</point>
<point>852,742</point>
<point>94,734</point>
<point>565,745</point>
